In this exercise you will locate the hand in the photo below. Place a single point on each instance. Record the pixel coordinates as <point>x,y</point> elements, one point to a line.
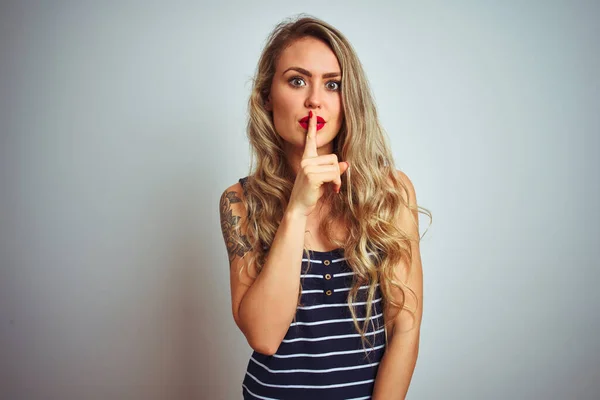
<point>314,172</point>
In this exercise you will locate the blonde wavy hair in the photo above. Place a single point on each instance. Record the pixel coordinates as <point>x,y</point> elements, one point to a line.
<point>371,197</point>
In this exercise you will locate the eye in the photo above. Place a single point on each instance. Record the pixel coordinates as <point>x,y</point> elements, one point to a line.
<point>294,81</point>
<point>334,85</point>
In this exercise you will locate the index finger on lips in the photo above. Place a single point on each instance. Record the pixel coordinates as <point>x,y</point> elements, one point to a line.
<point>310,146</point>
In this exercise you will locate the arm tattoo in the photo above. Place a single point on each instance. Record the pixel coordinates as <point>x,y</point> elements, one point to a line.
<point>230,225</point>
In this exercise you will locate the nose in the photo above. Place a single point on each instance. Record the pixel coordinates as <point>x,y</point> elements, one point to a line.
<point>314,98</point>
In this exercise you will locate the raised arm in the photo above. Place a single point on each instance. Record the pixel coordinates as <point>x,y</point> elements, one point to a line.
<point>263,308</point>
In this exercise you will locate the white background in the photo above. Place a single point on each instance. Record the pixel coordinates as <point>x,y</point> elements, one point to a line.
<point>122,123</point>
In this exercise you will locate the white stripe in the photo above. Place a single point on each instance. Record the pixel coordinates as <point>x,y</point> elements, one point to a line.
<point>313,371</point>
<point>331,337</point>
<point>257,396</point>
<point>335,290</point>
<point>362,303</point>
<point>310,386</point>
<point>347,289</point>
<point>343,274</point>
<point>332,353</point>
<point>311,276</point>
<point>312,261</point>
<point>331,321</point>
<point>360,398</point>
<point>313,291</point>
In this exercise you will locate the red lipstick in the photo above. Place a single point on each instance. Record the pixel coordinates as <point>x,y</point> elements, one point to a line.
<point>320,123</point>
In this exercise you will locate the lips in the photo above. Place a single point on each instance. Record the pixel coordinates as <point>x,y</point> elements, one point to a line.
<point>320,123</point>
<point>319,120</point>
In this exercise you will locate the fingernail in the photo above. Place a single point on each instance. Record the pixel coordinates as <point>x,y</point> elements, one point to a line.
<point>310,114</point>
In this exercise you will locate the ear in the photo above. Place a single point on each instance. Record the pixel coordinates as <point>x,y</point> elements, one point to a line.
<point>268,103</point>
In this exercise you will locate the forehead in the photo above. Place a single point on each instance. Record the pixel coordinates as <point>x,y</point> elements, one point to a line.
<point>311,54</point>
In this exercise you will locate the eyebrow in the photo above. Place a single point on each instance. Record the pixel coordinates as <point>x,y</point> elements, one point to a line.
<point>305,72</point>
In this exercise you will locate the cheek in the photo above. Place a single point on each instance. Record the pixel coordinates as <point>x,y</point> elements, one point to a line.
<point>337,104</point>
<point>285,107</point>
<point>340,111</point>
<point>281,111</point>
<point>340,118</point>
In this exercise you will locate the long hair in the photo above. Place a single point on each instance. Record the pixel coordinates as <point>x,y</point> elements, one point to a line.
<point>371,195</point>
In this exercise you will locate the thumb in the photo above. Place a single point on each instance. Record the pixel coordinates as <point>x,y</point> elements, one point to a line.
<point>344,165</point>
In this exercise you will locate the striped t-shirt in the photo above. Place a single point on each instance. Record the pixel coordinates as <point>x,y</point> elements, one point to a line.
<point>322,356</point>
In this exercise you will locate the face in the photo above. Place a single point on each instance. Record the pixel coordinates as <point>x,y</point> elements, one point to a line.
<point>307,77</point>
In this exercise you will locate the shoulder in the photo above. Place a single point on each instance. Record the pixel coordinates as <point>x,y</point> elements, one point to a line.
<point>408,189</point>
<point>232,200</point>
<point>239,187</point>
<point>408,218</point>
<point>236,188</point>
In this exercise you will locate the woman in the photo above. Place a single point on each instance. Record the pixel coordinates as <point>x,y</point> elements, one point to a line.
<point>322,236</point>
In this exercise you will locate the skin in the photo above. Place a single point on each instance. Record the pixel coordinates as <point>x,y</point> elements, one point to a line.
<point>294,93</point>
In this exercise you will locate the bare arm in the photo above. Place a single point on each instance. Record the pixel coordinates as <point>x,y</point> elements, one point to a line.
<point>398,364</point>
<point>264,308</point>
<point>270,304</point>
